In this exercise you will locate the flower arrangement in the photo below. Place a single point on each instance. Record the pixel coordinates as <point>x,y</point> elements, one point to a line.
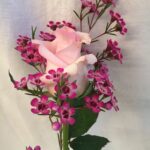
<point>71,85</point>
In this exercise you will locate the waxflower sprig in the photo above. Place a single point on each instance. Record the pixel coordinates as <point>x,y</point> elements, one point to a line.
<point>71,85</point>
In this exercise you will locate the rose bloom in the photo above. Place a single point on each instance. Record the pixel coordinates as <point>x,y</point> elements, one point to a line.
<point>65,52</point>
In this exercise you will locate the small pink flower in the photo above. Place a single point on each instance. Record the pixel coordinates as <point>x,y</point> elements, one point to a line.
<point>22,43</point>
<point>94,103</point>
<point>121,25</point>
<point>54,25</point>
<point>112,104</point>
<point>35,148</point>
<point>32,56</point>
<point>22,84</point>
<point>55,75</point>
<point>53,106</point>
<point>113,51</point>
<point>47,36</point>
<point>66,113</point>
<point>56,126</point>
<point>68,91</point>
<point>40,106</point>
<point>35,79</point>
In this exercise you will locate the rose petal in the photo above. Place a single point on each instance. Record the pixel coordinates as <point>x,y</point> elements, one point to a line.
<point>65,36</point>
<point>84,37</point>
<point>51,57</point>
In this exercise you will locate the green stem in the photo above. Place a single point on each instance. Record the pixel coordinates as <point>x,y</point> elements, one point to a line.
<point>65,137</point>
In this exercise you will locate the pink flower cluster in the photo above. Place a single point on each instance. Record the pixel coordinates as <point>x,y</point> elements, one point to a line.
<point>55,75</point>
<point>94,103</point>
<point>41,106</point>
<point>63,110</point>
<point>54,25</point>
<point>64,90</point>
<point>113,51</point>
<point>97,104</point>
<point>22,84</point>
<point>33,79</point>
<point>103,87</point>
<point>35,148</point>
<point>121,25</point>
<point>29,51</point>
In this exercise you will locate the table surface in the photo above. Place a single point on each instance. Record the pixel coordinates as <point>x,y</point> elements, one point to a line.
<point>128,129</point>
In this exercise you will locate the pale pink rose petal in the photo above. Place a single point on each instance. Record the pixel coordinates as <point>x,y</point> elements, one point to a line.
<point>84,37</point>
<point>71,69</point>
<point>51,46</point>
<point>89,59</point>
<point>50,56</point>
<point>70,53</point>
<point>64,36</point>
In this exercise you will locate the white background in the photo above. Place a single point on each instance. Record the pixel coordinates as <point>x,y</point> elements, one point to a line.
<point>128,129</point>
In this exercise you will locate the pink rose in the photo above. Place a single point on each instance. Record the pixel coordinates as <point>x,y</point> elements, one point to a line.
<point>65,52</point>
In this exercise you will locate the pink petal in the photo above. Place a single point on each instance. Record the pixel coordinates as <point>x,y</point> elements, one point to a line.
<point>60,70</point>
<point>37,148</point>
<point>62,96</point>
<point>71,111</point>
<point>52,71</point>
<point>72,95</point>
<point>71,121</point>
<point>44,98</point>
<point>56,126</point>
<point>45,112</point>
<point>65,105</point>
<point>35,111</point>
<point>65,36</point>
<point>34,102</point>
<point>74,85</point>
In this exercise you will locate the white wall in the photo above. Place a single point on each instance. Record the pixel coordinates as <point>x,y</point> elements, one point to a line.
<point>128,129</point>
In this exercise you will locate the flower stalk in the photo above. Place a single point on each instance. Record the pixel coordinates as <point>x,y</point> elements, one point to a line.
<point>65,131</point>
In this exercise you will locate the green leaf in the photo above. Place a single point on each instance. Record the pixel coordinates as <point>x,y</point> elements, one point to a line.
<point>79,101</point>
<point>88,90</point>
<point>11,77</point>
<point>88,142</point>
<point>85,118</point>
<point>33,32</point>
